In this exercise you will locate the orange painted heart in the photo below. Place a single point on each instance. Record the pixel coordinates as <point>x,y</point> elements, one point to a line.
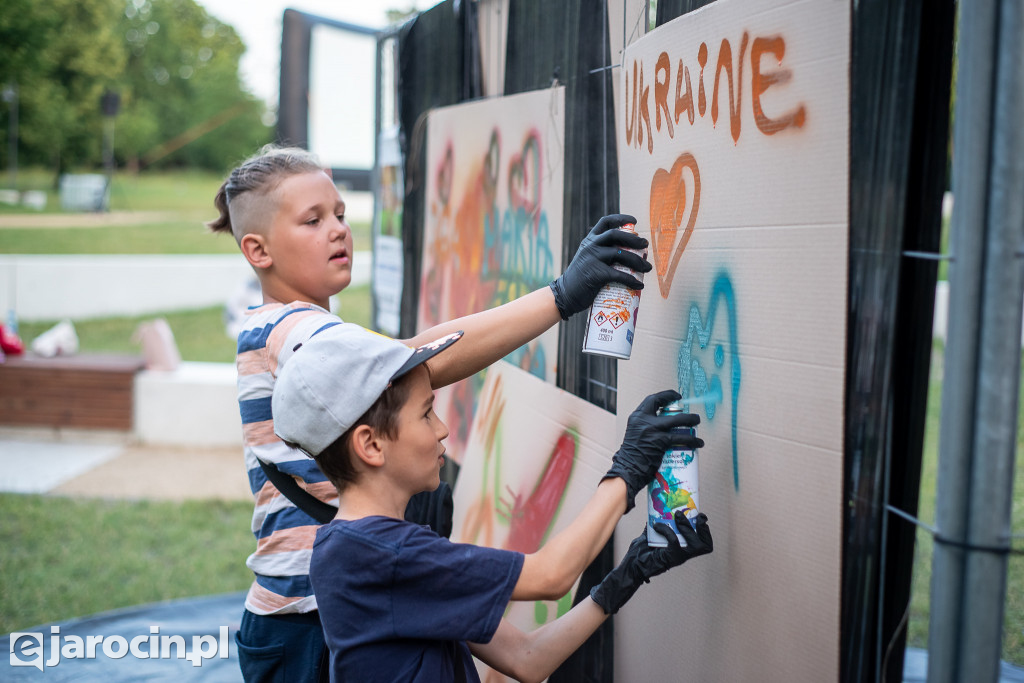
<point>668,211</point>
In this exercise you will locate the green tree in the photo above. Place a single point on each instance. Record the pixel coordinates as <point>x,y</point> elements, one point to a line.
<point>183,101</point>
<point>61,54</point>
<point>174,66</point>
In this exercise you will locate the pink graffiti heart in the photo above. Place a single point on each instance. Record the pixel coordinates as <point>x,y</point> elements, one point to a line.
<point>443,176</point>
<point>524,176</point>
<point>668,211</point>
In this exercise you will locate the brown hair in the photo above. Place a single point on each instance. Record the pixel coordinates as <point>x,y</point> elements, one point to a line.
<point>253,180</point>
<point>335,461</point>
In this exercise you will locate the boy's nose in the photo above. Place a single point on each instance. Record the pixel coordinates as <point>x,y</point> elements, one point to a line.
<point>340,227</point>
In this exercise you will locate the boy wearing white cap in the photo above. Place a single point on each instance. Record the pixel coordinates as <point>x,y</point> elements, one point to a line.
<point>399,602</point>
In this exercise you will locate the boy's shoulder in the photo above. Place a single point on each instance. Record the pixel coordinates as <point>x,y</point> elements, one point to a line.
<point>296,320</point>
<point>387,534</point>
<point>378,542</point>
<point>259,316</point>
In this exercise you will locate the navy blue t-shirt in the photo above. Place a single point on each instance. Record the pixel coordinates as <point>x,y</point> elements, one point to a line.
<point>398,602</point>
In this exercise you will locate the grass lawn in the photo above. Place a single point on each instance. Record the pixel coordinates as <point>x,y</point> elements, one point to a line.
<point>170,237</point>
<point>148,191</point>
<point>64,558</point>
<point>185,197</point>
<point>200,335</point>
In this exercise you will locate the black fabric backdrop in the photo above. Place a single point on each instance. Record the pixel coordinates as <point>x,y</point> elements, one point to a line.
<point>901,63</point>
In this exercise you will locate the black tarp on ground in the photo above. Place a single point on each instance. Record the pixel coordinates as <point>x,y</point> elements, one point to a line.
<point>187,618</point>
<point>204,616</point>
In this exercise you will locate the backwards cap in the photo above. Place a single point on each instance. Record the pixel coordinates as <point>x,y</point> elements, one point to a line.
<point>333,379</point>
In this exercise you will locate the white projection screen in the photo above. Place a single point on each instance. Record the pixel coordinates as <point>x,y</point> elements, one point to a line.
<point>342,96</point>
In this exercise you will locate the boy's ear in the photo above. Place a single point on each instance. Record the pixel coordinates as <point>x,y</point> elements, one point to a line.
<point>254,248</point>
<point>367,447</point>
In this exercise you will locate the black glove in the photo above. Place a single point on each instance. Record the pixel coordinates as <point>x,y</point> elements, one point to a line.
<point>591,267</point>
<point>641,561</point>
<point>648,436</point>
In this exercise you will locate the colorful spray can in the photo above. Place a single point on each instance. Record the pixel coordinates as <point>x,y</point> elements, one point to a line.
<point>612,321</point>
<point>675,486</point>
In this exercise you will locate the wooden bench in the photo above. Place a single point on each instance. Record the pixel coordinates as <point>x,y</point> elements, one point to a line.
<point>87,391</point>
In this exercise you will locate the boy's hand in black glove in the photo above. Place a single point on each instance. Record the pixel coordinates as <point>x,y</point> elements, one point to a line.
<point>648,436</point>
<point>592,266</point>
<point>641,561</point>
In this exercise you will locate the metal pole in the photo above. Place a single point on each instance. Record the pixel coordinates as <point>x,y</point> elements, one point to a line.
<point>10,94</point>
<point>971,145</point>
<point>983,358</point>
<point>995,437</point>
<point>108,148</point>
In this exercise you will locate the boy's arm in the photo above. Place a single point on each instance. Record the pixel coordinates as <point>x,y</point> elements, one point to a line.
<point>488,336</point>
<point>535,655</point>
<point>492,334</point>
<point>550,572</point>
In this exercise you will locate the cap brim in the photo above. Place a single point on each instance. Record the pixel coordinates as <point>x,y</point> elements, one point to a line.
<point>426,352</point>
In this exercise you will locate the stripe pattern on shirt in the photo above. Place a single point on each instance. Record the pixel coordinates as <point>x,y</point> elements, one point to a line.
<point>284,534</point>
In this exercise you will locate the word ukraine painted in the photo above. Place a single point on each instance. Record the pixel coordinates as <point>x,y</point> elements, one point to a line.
<point>668,109</point>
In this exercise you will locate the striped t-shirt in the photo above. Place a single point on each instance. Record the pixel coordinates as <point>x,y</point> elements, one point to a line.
<point>284,533</point>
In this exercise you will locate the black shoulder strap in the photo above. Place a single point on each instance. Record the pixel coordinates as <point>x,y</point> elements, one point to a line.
<point>432,508</point>
<point>304,500</point>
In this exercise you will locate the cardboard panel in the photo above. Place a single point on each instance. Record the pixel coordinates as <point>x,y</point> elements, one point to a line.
<point>493,226</point>
<point>534,457</point>
<point>745,314</point>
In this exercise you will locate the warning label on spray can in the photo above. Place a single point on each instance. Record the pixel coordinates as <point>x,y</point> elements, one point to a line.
<point>612,321</point>
<point>675,487</point>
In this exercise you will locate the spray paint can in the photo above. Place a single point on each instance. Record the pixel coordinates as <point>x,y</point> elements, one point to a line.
<point>675,486</point>
<point>612,322</point>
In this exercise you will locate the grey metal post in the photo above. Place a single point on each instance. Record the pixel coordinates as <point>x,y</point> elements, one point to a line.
<point>10,96</point>
<point>971,131</point>
<point>981,374</point>
<point>995,436</point>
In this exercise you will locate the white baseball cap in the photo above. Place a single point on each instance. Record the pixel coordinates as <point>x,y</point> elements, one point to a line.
<point>333,379</point>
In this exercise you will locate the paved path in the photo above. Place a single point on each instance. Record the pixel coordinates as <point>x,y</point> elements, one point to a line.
<point>109,465</point>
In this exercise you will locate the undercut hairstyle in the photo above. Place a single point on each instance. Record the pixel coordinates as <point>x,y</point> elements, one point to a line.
<point>335,461</point>
<point>246,199</point>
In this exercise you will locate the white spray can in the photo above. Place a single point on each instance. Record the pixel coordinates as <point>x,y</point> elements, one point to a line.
<point>675,486</point>
<point>612,322</point>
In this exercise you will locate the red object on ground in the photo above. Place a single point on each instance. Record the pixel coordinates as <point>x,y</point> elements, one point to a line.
<point>10,342</point>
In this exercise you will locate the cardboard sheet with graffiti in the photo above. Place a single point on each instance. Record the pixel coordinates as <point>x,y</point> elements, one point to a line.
<point>732,131</point>
<point>534,457</point>
<point>493,225</point>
